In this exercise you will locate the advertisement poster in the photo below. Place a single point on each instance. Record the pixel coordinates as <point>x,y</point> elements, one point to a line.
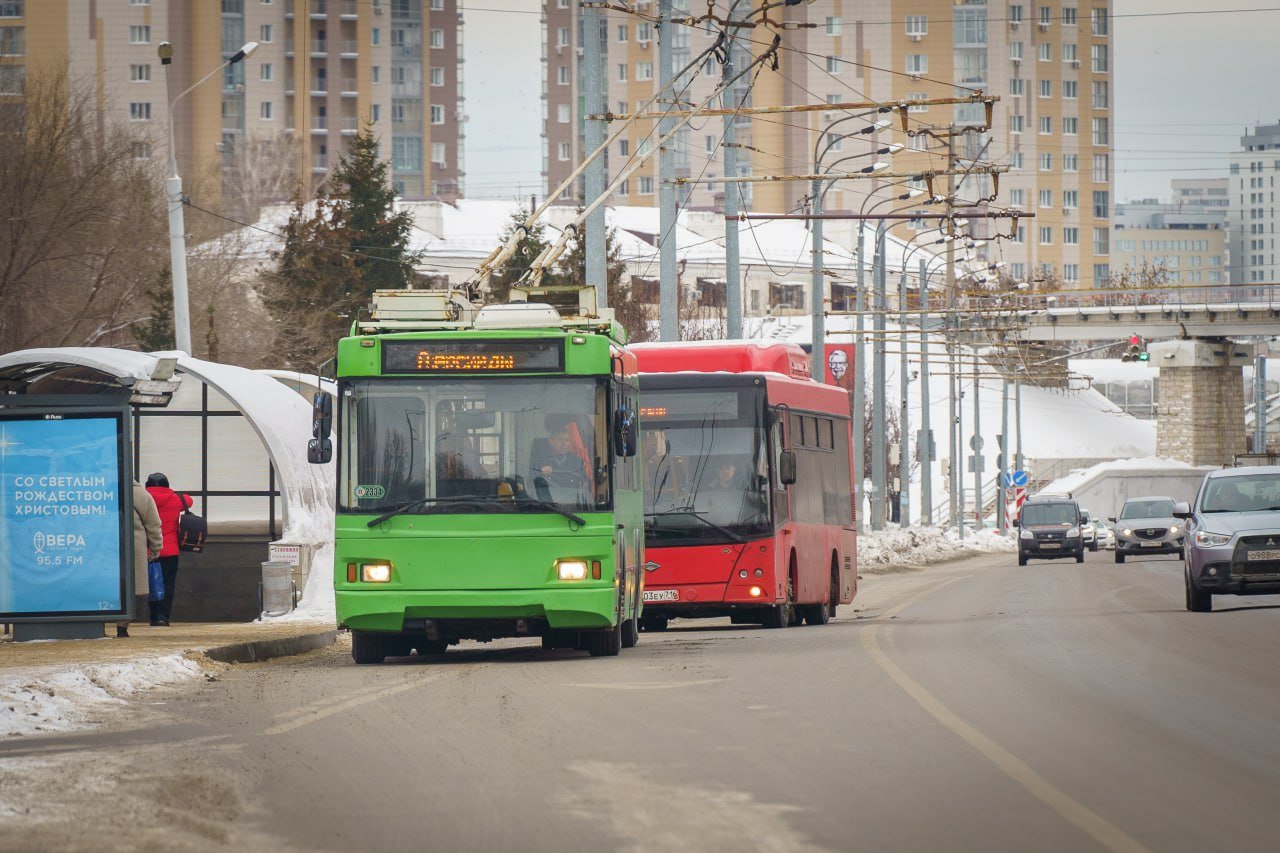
<point>840,366</point>
<point>60,531</point>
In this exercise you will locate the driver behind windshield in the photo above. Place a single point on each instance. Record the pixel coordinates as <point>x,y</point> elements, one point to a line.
<point>563,450</point>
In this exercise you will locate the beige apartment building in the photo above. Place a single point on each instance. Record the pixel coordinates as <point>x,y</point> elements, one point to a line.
<point>279,119</point>
<point>1049,61</point>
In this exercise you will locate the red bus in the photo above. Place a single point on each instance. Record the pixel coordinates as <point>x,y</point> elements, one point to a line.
<point>748,485</point>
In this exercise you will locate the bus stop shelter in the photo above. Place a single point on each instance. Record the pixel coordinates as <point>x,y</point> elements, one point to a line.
<point>234,439</point>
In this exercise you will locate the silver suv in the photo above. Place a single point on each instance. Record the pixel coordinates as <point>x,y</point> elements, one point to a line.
<point>1147,526</point>
<point>1233,530</point>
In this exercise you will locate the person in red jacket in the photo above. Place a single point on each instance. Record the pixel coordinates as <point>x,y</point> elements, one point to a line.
<point>170,504</point>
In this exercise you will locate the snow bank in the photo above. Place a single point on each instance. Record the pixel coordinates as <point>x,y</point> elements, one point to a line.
<point>917,546</point>
<point>49,700</point>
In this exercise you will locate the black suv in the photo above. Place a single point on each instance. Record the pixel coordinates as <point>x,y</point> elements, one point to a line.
<point>1049,529</point>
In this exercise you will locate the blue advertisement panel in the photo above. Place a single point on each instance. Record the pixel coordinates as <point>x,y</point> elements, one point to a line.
<point>61,544</point>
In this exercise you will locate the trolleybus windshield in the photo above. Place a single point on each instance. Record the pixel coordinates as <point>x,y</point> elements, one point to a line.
<point>706,458</point>
<point>474,445</point>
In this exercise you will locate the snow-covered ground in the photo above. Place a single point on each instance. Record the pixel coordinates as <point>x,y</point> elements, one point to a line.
<point>56,699</point>
<point>919,546</point>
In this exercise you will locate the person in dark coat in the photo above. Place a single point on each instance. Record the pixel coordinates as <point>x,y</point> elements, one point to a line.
<point>170,505</point>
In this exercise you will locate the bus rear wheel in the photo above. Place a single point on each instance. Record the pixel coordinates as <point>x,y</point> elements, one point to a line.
<point>604,644</point>
<point>367,647</point>
<point>630,633</point>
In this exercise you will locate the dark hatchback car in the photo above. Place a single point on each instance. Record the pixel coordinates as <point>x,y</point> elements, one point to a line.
<point>1049,529</point>
<point>1233,535</point>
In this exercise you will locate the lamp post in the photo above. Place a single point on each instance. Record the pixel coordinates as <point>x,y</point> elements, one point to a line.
<point>817,355</point>
<point>173,191</point>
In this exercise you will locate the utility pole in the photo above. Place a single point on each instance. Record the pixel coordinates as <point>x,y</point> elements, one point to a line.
<point>817,354</point>
<point>879,452</point>
<point>859,401</point>
<point>1002,498</point>
<point>1260,404</point>
<point>594,99</point>
<point>669,296</point>
<point>904,432</point>
<point>957,452</point>
<point>976,444</point>
<point>924,444</point>
<point>1018,464</point>
<point>732,275</point>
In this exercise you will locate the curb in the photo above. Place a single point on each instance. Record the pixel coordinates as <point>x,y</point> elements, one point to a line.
<point>260,650</point>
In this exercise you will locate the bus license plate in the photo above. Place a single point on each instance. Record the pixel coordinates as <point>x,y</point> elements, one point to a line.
<point>662,595</point>
<point>1263,555</point>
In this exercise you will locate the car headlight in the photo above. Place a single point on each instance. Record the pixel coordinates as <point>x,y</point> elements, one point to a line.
<point>571,570</point>
<point>1206,539</point>
<point>1173,529</point>
<point>1026,534</point>
<point>1127,532</point>
<point>375,572</point>
<point>1073,533</point>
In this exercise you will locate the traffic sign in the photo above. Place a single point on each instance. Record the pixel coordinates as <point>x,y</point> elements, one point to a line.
<point>975,442</point>
<point>1016,479</point>
<point>976,463</point>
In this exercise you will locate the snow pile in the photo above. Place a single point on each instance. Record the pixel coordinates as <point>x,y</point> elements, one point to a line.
<point>64,699</point>
<point>917,546</point>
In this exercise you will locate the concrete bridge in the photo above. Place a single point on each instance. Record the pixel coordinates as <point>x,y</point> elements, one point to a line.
<point>1200,348</point>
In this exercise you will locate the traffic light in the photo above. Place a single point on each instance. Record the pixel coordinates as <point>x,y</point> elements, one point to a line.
<point>1137,350</point>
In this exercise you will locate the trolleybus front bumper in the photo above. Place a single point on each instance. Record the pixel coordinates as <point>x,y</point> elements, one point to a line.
<point>488,612</point>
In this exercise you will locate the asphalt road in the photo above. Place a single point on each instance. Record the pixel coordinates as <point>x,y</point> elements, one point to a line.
<point>975,706</point>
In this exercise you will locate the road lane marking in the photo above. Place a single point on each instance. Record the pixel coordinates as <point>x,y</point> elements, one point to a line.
<point>356,702</point>
<point>651,685</point>
<point>1095,825</point>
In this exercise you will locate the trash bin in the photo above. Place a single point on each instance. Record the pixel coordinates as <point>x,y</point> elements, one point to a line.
<point>276,592</point>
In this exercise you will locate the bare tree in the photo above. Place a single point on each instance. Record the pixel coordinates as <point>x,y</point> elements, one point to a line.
<point>81,221</point>
<point>262,170</point>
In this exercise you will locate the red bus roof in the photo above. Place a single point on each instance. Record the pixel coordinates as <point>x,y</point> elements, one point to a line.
<point>728,356</point>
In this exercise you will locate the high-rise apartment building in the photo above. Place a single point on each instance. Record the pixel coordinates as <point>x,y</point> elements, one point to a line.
<point>1049,62</point>
<point>279,119</point>
<point>1252,210</point>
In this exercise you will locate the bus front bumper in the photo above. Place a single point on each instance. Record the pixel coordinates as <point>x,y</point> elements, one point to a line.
<point>399,610</point>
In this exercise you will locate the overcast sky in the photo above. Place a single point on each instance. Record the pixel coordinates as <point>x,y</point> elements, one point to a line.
<point>1186,86</point>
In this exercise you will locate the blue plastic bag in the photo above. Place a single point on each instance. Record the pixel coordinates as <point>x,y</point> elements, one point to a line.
<point>155,581</point>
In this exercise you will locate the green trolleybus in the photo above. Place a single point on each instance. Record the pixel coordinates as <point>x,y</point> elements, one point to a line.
<point>488,482</point>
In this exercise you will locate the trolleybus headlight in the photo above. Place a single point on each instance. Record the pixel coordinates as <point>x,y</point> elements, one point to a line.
<point>571,570</point>
<point>755,591</point>
<point>375,572</point>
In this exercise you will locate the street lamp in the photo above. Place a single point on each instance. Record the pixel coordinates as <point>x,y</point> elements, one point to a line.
<point>173,191</point>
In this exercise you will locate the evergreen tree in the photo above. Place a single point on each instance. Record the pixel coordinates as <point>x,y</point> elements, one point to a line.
<point>156,334</point>
<point>352,243</point>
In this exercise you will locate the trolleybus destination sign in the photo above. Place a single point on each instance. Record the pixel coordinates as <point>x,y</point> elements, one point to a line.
<point>496,356</point>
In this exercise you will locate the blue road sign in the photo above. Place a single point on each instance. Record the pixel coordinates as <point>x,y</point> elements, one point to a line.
<point>1018,479</point>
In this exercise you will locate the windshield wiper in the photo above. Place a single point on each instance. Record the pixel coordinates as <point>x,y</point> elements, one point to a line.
<point>699,516</point>
<point>411,505</point>
<point>528,501</point>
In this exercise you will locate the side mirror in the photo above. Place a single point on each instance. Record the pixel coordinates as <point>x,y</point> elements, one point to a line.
<point>625,439</point>
<point>319,451</point>
<point>322,415</point>
<point>787,467</point>
<point>1111,518</point>
<point>1182,509</point>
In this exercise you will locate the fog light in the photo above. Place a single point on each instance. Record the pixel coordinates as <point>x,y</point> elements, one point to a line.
<point>755,591</point>
<point>571,570</point>
<point>742,573</point>
<point>759,573</point>
<point>1212,571</point>
<point>375,572</point>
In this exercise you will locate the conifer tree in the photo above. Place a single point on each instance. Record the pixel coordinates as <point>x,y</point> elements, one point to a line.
<point>156,334</point>
<point>627,310</point>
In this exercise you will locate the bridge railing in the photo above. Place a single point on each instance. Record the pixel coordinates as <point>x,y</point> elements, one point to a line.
<point>1211,294</point>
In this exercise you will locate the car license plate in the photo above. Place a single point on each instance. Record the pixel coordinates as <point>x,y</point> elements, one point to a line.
<point>1263,555</point>
<point>1049,546</point>
<point>662,595</point>
<point>1151,544</point>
